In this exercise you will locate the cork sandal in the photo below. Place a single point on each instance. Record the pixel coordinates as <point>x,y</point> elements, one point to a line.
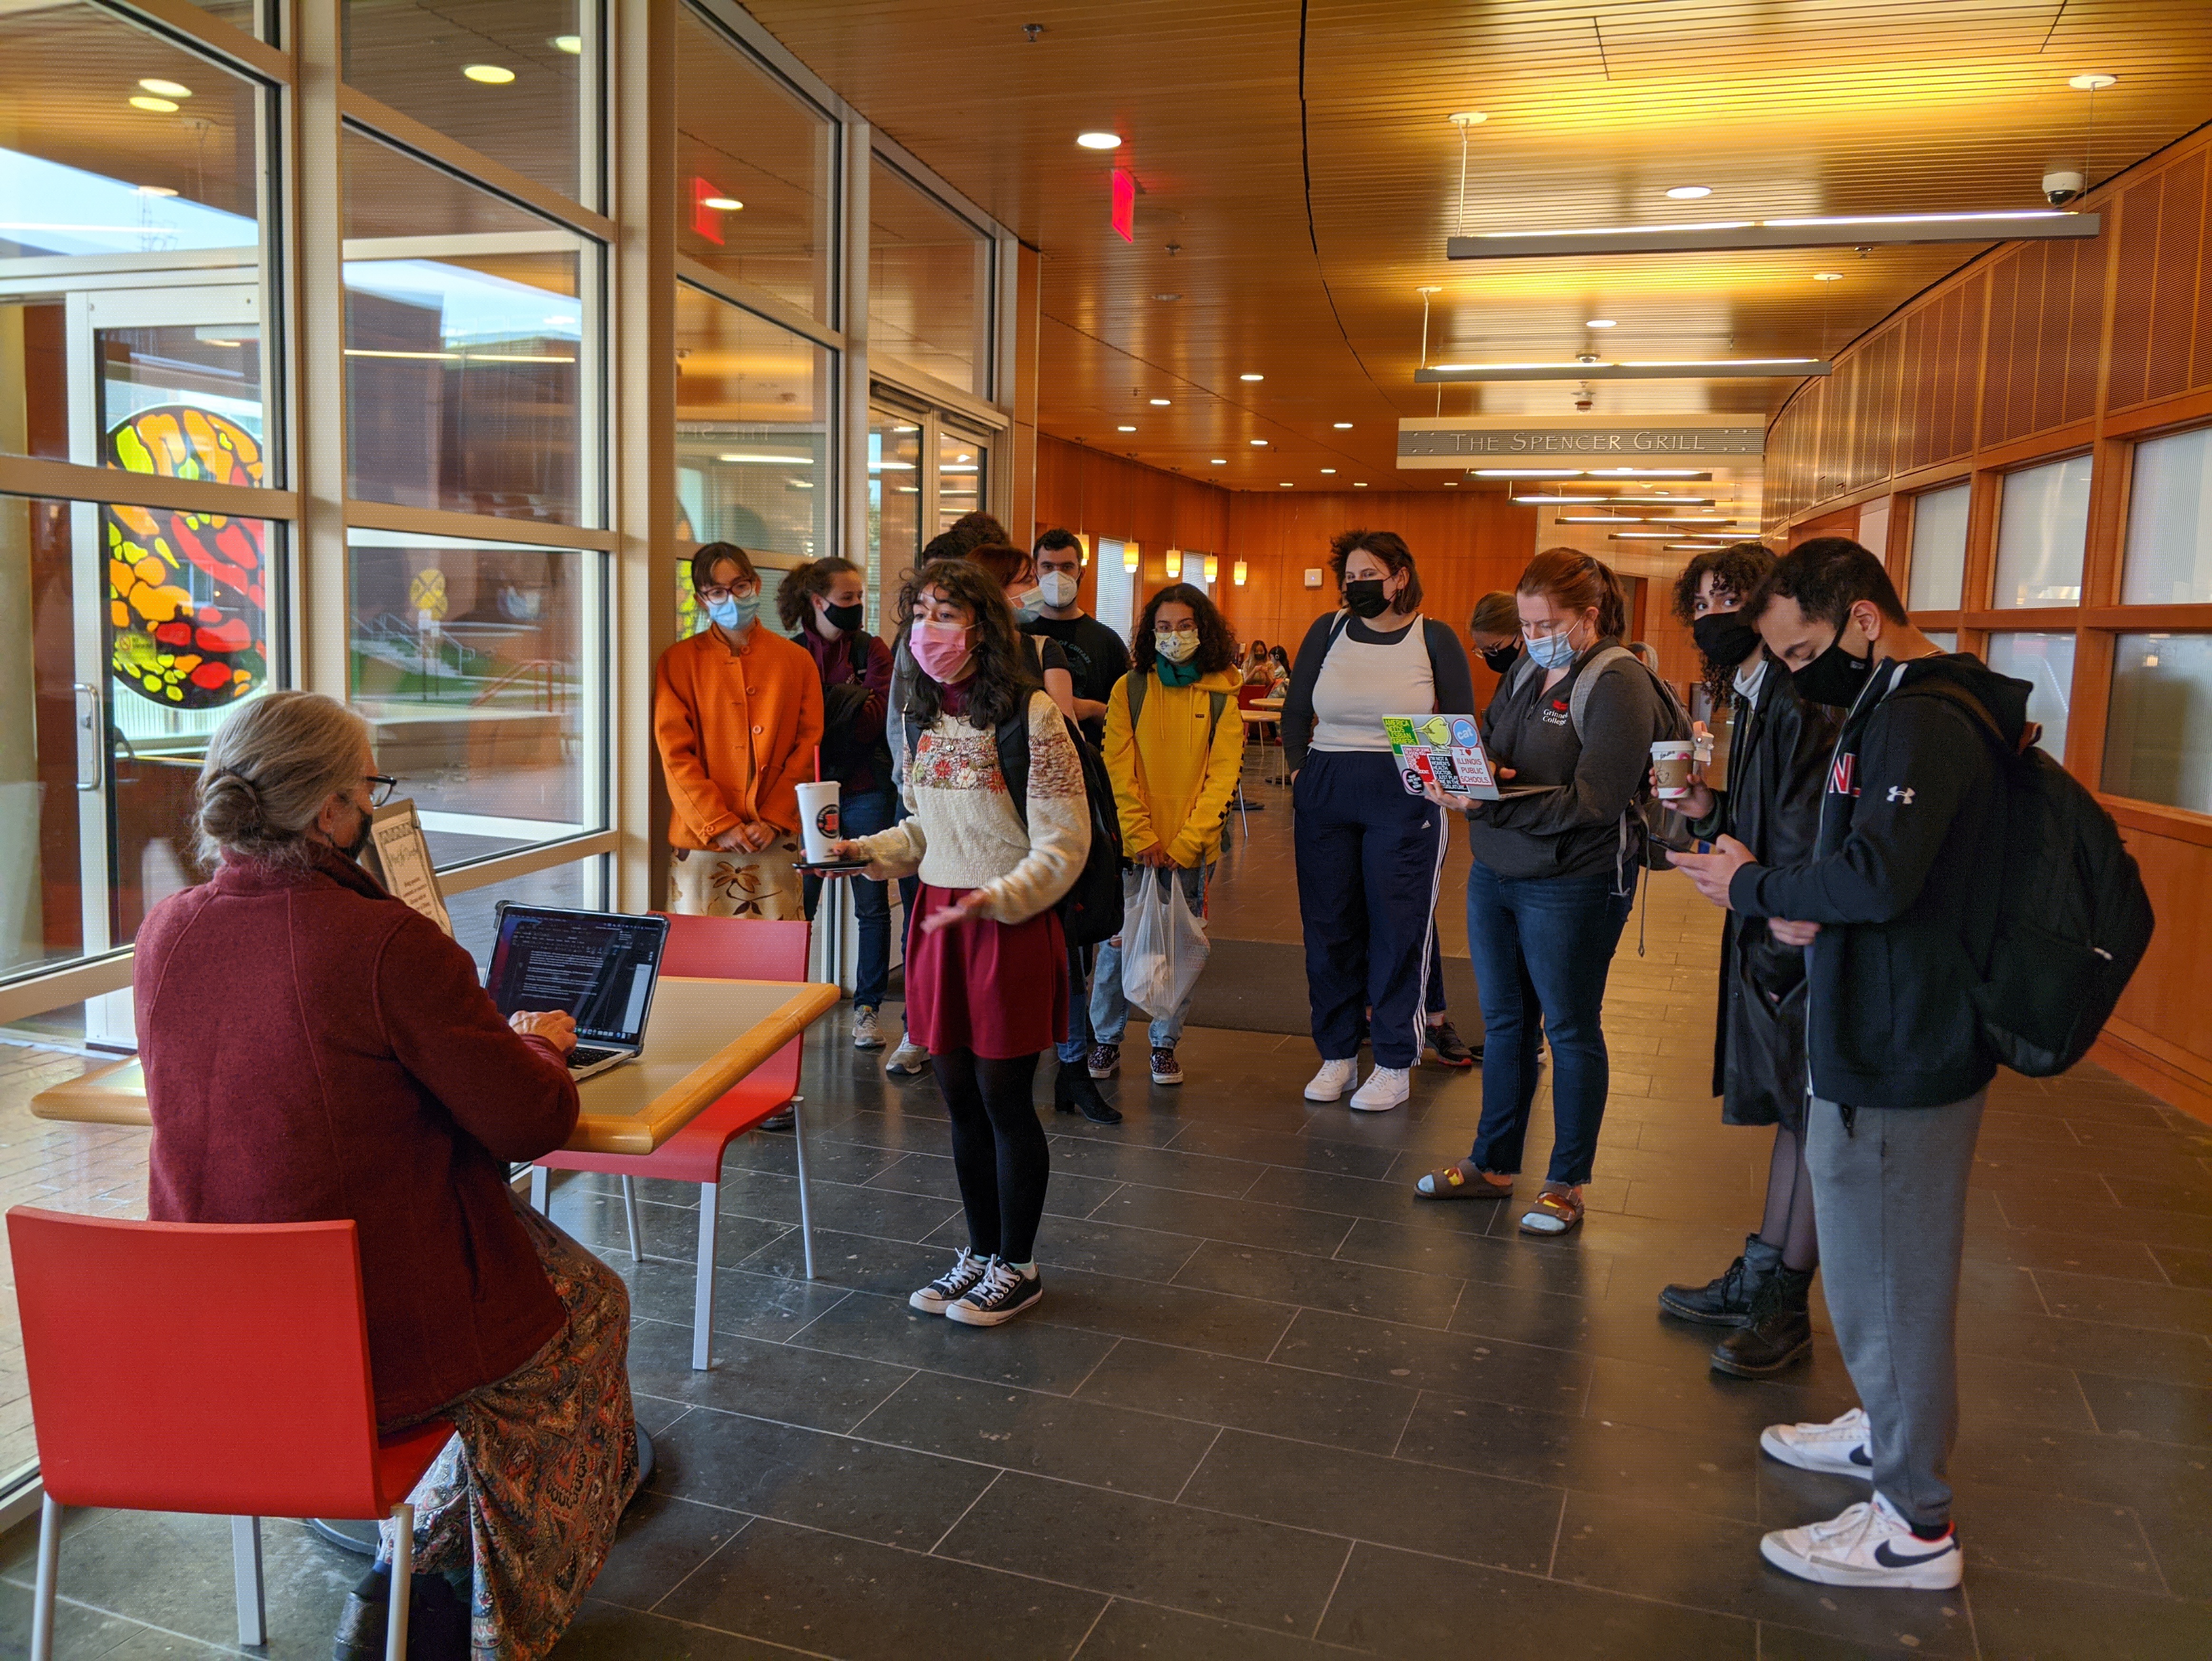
<point>1453,1183</point>
<point>1558,1210</point>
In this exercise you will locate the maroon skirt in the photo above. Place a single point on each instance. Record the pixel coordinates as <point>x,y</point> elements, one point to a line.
<point>998,989</point>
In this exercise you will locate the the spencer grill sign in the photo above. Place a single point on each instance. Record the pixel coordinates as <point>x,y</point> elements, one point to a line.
<point>1429,442</point>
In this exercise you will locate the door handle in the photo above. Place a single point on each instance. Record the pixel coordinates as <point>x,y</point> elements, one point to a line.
<point>91,730</point>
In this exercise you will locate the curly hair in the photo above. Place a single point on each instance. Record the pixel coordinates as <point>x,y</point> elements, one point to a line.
<point>1736,570</point>
<point>1216,650</point>
<point>803,583</point>
<point>1389,548</point>
<point>1001,685</point>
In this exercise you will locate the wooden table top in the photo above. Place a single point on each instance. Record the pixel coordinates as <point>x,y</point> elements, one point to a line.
<point>701,1037</point>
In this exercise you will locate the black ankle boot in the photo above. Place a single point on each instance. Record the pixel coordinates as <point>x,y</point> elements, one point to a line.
<point>437,1620</point>
<point>1727,1301</point>
<point>1073,1092</point>
<point>1778,1332</point>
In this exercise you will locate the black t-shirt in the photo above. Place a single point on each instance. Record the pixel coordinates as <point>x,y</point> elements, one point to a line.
<point>1097,658</point>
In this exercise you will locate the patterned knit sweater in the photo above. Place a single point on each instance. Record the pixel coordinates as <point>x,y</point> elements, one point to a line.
<point>964,833</point>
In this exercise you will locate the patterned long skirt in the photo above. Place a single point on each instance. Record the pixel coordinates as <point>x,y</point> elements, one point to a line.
<point>712,883</point>
<point>522,1504</point>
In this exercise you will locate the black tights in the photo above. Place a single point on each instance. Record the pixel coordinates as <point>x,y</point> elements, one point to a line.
<point>1789,1220</point>
<point>999,1150</point>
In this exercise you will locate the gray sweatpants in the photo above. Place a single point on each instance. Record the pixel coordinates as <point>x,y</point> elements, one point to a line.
<point>1889,1196</point>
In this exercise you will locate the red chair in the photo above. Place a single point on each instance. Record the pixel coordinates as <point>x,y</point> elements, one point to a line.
<point>211,1368</point>
<point>723,949</point>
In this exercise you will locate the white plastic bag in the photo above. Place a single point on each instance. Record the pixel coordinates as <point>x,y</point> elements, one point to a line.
<point>1163,945</point>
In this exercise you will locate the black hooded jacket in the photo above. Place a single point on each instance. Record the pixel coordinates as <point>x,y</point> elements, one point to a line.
<point>1904,886</point>
<point>1778,751</point>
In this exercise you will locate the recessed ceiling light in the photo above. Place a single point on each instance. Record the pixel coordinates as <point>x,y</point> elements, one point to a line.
<point>1828,277</point>
<point>156,189</point>
<point>1125,429</point>
<point>1690,193</point>
<point>721,204</point>
<point>1259,442</point>
<point>1328,469</point>
<point>1216,461</point>
<point>1343,426</point>
<point>167,88</point>
<point>1451,484</point>
<point>1602,323</point>
<point>1287,485</point>
<point>2080,82</point>
<point>1359,484</point>
<point>488,74</point>
<point>1251,377</point>
<point>571,44</point>
<point>159,106</point>
<point>1160,402</point>
<point>1099,141</point>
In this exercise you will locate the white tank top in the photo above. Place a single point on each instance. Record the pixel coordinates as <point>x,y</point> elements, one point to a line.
<point>1360,683</point>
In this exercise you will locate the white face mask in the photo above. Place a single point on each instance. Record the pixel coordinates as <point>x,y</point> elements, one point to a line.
<point>1058,587</point>
<point>1176,647</point>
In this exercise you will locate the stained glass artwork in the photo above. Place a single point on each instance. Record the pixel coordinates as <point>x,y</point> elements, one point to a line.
<point>187,597</point>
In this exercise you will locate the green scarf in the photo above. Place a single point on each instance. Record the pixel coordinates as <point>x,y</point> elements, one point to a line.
<point>1176,674</point>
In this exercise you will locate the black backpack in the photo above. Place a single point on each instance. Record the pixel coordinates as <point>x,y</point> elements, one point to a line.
<point>2073,920</point>
<point>1091,910</point>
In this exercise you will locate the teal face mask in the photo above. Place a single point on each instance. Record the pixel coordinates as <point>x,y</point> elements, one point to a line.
<point>1554,651</point>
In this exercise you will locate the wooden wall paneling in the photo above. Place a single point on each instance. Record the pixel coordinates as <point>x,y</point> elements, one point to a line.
<point>2167,999</point>
<point>2128,366</point>
<point>1983,503</point>
<point>2009,367</point>
<point>2175,282</point>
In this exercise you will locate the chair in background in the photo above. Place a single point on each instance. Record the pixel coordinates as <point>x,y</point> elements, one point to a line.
<point>214,1368</point>
<point>721,949</point>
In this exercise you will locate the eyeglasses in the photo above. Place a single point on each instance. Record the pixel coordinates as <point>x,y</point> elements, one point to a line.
<point>1174,629</point>
<point>716,596</point>
<point>382,785</point>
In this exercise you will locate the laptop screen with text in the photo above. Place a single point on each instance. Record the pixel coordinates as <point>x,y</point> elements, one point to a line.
<point>601,966</point>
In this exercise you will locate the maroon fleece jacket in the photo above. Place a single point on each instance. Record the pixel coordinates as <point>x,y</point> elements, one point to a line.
<point>315,1049</point>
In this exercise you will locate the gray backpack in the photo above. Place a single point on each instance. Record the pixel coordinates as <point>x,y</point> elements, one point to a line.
<point>1648,824</point>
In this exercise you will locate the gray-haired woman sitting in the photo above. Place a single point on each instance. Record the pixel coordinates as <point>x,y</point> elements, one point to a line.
<point>315,1049</point>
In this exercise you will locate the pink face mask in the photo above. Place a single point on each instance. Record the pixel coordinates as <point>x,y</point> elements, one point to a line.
<point>941,649</point>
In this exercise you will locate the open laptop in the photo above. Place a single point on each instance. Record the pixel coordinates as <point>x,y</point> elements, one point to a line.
<point>601,966</point>
<point>1446,750</point>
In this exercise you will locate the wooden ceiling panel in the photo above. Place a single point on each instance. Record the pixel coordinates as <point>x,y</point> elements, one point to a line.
<point>1594,108</point>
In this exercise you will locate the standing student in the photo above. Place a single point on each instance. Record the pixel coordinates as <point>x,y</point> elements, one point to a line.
<point>1898,905</point>
<point>1369,856</point>
<point>986,965</point>
<point>821,603</point>
<point>737,713</point>
<point>1551,878</point>
<point>1173,746</point>
<point>1778,749</point>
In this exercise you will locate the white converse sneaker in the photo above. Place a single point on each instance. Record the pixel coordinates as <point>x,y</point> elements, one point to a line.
<point>1331,1081</point>
<point>1868,1545</point>
<point>1838,1447</point>
<point>1386,1087</point>
<point>967,1272</point>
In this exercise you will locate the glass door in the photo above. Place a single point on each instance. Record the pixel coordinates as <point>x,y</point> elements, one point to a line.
<point>963,477</point>
<point>895,483</point>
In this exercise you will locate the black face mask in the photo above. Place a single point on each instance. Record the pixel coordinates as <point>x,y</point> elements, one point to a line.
<point>352,850</point>
<point>1502,658</point>
<point>1724,637</point>
<point>1365,598</point>
<point>847,618</point>
<point>1836,676</point>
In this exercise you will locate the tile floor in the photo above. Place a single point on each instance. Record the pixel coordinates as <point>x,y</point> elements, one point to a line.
<point>1273,1408</point>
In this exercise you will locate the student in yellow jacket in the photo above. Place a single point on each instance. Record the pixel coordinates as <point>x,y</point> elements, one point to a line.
<point>1174,767</point>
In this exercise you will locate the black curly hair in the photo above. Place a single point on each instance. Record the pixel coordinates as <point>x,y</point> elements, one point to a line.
<point>1736,569</point>
<point>1002,682</point>
<point>1216,649</point>
<point>801,584</point>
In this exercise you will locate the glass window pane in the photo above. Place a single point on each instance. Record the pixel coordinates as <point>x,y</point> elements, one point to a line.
<point>929,283</point>
<point>514,79</point>
<point>2169,558</point>
<point>2046,663</point>
<point>1946,638</point>
<point>2042,525</point>
<point>1939,549</point>
<point>2158,735</point>
<point>466,348</point>
<point>753,403</point>
<point>580,886</point>
<point>125,159</point>
<point>894,505</point>
<point>474,663</point>
<point>756,166</point>
<point>963,477</point>
<point>128,634</point>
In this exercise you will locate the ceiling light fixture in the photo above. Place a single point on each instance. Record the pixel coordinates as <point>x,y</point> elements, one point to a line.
<point>1240,573</point>
<point>1251,377</point>
<point>1132,558</point>
<point>1591,472</point>
<point>156,189</point>
<point>1125,429</point>
<point>571,44</point>
<point>784,457</point>
<point>1342,426</point>
<point>153,83</point>
<point>1167,297</point>
<point>158,106</point>
<point>1260,443</point>
<point>1690,193</point>
<point>1359,484</point>
<point>1173,560</point>
<point>488,74</point>
<point>1602,323</point>
<point>1719,368</point>
<point>1725,235</point>
<point>1287,484</point>
<point>1828,277</point>
<point>722,203</point>
<point>2079,82</point>
<point>1328,469</point>
<point>1600,501</point>
<point>1212,569</point>
<point>1216,461</point>
<point>1158,403</point>
<point>1099,141</point>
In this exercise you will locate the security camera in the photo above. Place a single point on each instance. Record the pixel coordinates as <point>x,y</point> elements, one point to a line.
<point>2060,188</point>
<point>1585,357</point>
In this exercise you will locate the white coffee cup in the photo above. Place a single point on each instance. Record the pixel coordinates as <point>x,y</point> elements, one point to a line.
<point>1670,768</point>
<point>817,819</point>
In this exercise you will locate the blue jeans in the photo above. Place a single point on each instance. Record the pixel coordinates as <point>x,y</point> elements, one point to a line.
<point>1542,947</point>
<point>863,816</point>
<point>1109,1009</point>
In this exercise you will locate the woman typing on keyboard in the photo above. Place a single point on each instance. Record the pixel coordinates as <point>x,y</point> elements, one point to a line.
<point>316,1049</point>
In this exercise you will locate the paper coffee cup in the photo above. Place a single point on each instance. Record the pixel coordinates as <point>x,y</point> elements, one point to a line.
<point>818,819</point>
<point>1670,768</point>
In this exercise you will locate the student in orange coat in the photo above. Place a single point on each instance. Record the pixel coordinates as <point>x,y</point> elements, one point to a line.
<point>736,711</point>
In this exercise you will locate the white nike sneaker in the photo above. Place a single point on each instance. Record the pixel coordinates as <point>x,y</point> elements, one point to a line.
<point>1331,1081</point>
<point>1839,1447</point>
<point>1386,1087</point>
<point>1868,1545</point>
